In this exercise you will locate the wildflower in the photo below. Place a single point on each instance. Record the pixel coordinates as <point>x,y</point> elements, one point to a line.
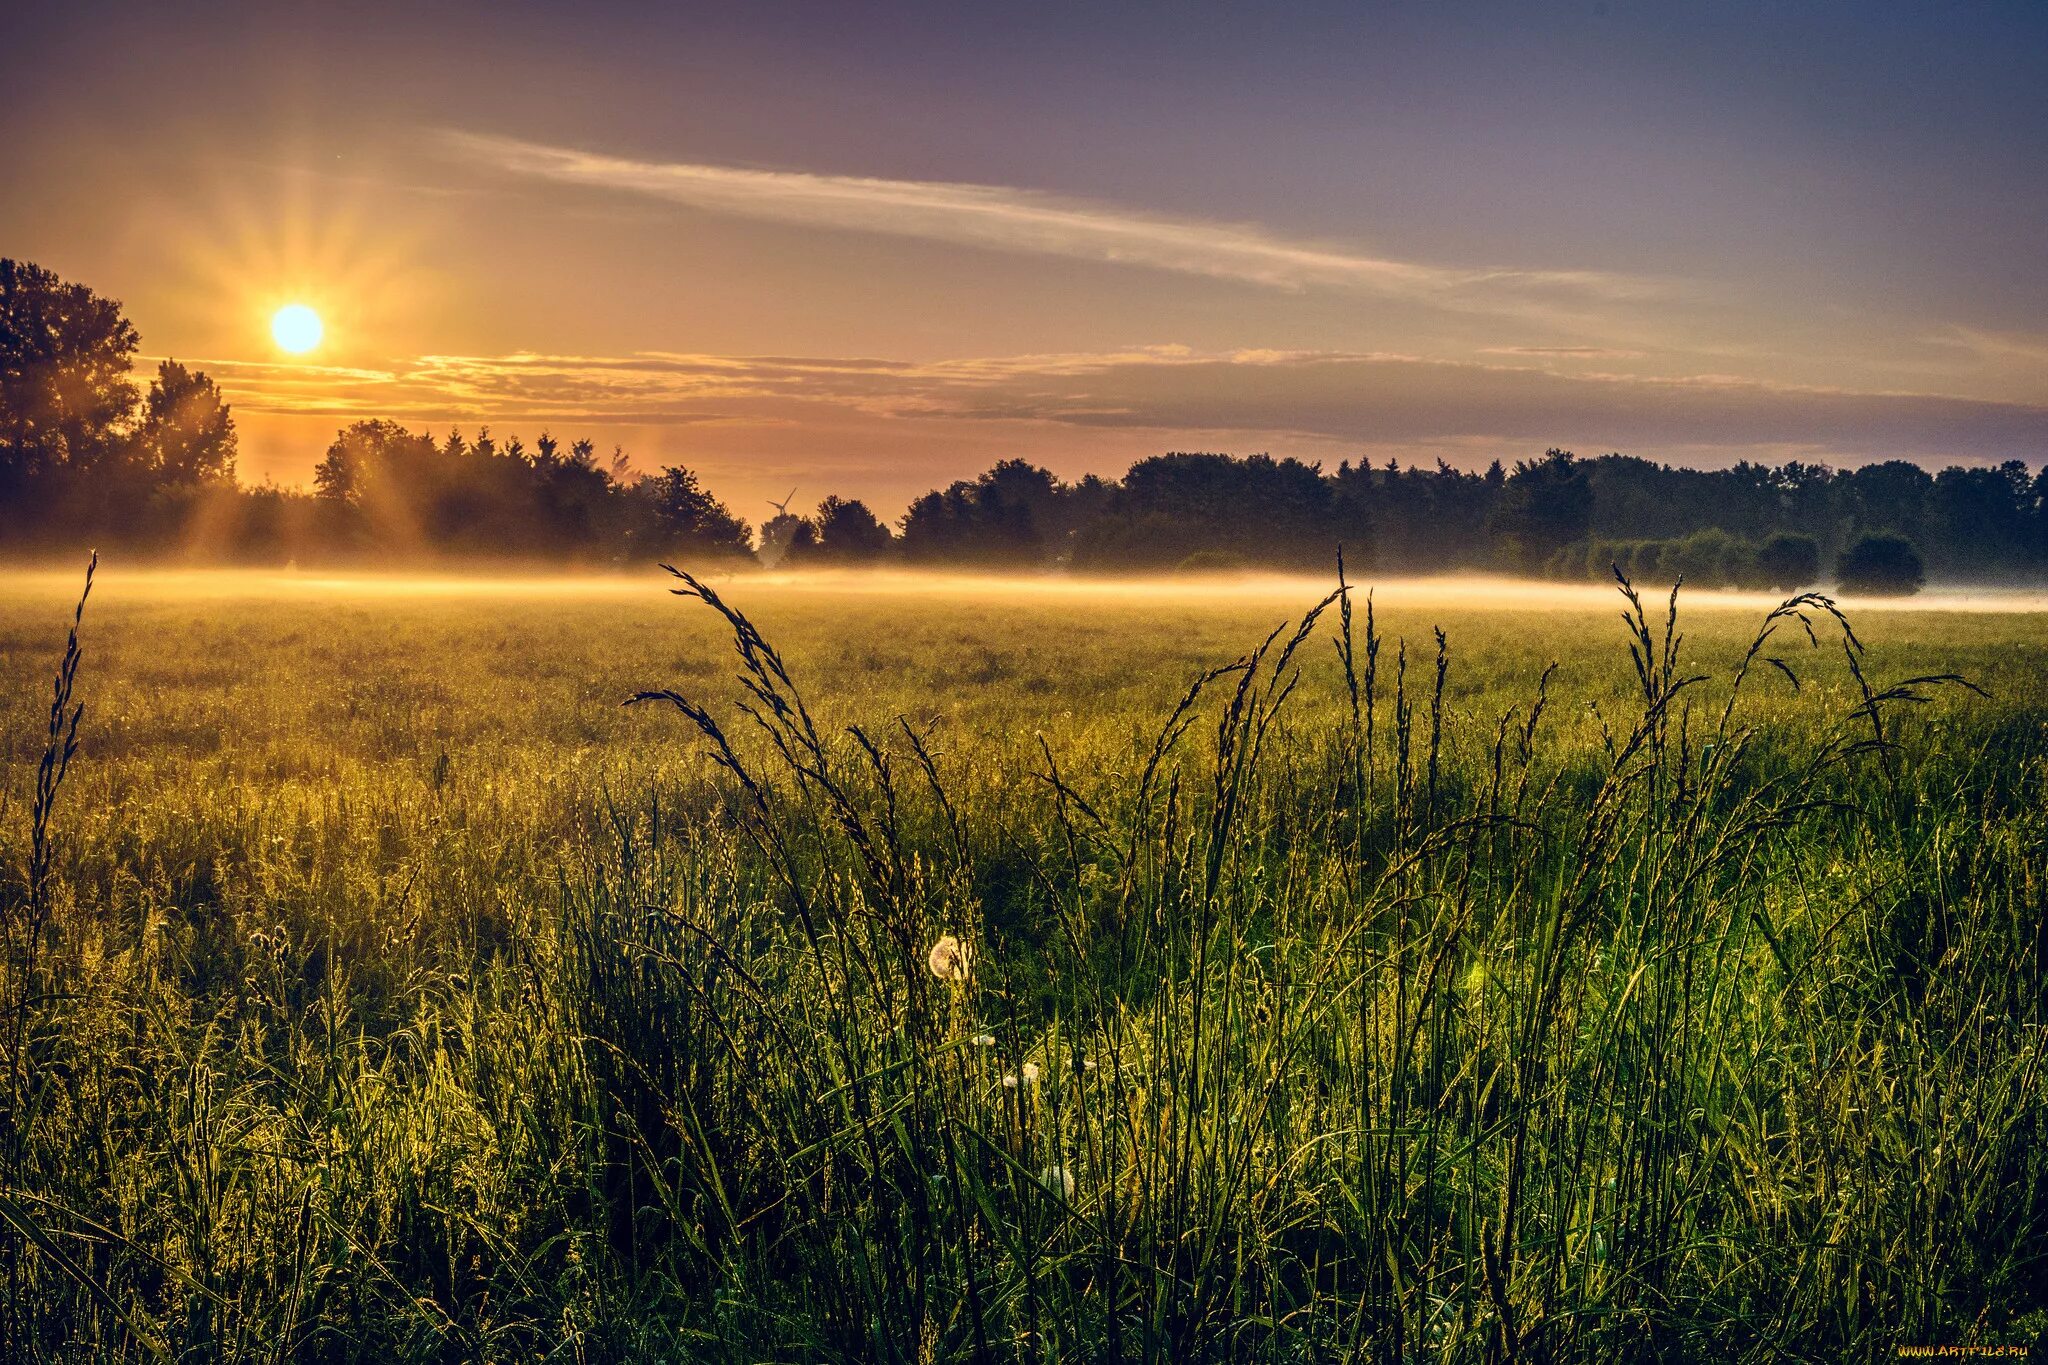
<point>1030,1073</point>
<point>1027,1078</point>
<point>984,1040</point>
<point>1009,1080</point>
<point>950,959</point>
<point>1059,1180</point>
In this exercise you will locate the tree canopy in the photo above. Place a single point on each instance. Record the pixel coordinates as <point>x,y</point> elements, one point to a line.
<point>187,435</point>
<point>1881,564</point>
<point>65,392</point>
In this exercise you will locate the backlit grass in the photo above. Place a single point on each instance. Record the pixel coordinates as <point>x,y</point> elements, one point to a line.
<point>1345,995</point>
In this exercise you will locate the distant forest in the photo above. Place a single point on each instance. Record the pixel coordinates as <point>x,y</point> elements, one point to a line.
<point>87,457</point>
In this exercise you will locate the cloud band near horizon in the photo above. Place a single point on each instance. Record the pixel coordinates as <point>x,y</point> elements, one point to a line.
<point>1250,400</point>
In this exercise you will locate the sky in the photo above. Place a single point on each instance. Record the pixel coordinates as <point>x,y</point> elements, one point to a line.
<point>869,249</point>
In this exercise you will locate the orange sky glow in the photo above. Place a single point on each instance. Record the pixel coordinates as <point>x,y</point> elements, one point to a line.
<point>705,245</point>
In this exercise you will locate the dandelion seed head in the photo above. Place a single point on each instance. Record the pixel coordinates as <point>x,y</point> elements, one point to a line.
<point>950,959</point>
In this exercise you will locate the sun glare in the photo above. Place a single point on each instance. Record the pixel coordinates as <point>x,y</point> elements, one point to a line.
<point>296,328</point>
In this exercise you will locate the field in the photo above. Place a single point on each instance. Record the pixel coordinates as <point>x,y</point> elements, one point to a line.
<point>1000,988</point>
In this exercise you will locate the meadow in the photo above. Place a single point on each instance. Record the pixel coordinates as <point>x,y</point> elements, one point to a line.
<point>974,969</point>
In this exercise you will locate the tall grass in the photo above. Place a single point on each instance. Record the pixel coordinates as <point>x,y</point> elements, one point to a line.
<point>1382,1030</point>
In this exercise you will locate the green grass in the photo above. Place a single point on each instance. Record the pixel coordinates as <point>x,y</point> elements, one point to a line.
<point>404,996</point>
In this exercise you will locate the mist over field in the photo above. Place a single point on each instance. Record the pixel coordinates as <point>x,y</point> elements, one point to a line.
<point>1450,594</point>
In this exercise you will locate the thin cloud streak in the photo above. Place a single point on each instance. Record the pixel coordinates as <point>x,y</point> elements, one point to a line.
<point>1029,221</point>
<point>2031,347</point>
<point>1565,352</point>
<point>1171,394</point>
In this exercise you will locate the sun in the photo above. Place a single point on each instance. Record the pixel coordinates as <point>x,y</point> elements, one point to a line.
<point>296,328</point>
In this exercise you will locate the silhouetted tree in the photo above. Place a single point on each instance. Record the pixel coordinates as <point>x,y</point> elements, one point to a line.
<point>368,486</point>
<point>1544,504</point>
<point>1414,520</point>
<point>65,355</point>
<point>2037,535</point>
<point>849,533</point>
<point>1980,520</point>
<point>1268,512</point>
<point>939,527</point>
<point>1788,561</point>
<point>800,542</point>
<point>1891,496</point>
<point>569,496</point>
<point>187,434</point>
<point>1017,506</point>
<point>1014,515</point>
<point>366,454</point>
<point>688,520</point>
<point>1884,564</point>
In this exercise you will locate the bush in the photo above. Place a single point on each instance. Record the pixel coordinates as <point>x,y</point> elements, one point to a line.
<point>1607,556</point>
<point>1881,565</point>
<point>1709,558</point>
<point>1570,563</point>
<point>1788,562</point>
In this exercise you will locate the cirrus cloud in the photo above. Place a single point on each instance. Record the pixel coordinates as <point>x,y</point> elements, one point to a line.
<point>1003,218</point>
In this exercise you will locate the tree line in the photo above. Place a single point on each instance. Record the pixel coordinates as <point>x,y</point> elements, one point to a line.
<point>85,454</point>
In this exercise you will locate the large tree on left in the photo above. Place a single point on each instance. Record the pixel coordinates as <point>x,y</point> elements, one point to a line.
<point>65,359</point>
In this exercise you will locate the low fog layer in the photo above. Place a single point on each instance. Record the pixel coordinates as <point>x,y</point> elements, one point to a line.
<point>1451,593</point>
